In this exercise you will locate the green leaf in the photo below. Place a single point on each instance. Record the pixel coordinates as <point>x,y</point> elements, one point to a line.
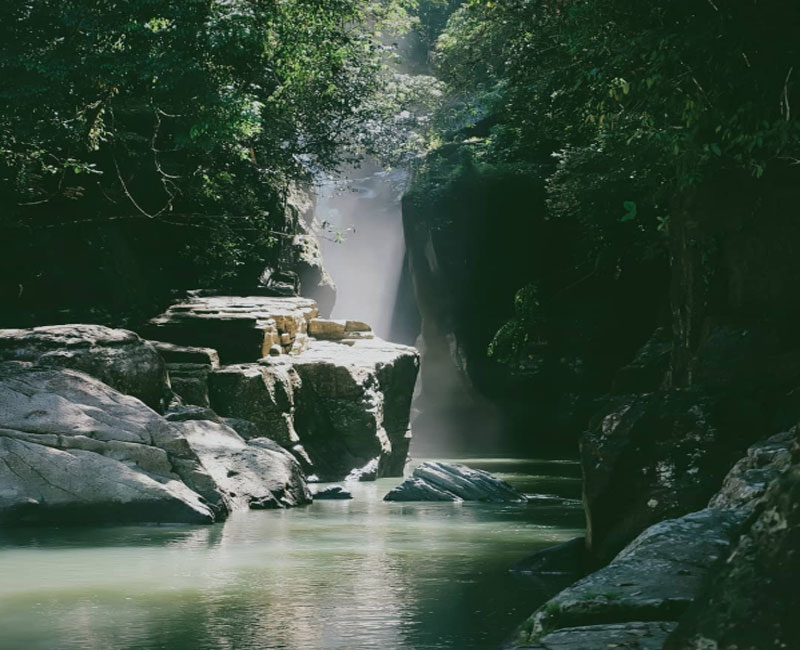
<point>631,211</point>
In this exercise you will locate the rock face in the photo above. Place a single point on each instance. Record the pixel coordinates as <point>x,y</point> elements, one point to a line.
<point>353,406</point>
<point>663,574</point>
<point>116,357</point>
<point>241,329</point>
<point>258,474</point>
<point>76,450</point>
<point>655,456</point>
<point>435,481</point>
<point>753,602</point>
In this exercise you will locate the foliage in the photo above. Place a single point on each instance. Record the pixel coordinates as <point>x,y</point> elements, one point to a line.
<point>194,112</point>
<point>638,103</point>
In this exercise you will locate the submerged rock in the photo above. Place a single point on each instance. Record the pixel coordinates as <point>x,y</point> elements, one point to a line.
<point>435,481</point>
<point>637,635</point>
<point>75,450</point>
<point>334,492</point>
<point>116,357</point>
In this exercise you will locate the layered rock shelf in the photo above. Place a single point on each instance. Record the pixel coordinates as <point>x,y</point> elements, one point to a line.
<point>232,405</point>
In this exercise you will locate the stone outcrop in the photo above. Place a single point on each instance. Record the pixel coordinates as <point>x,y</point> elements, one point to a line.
<point>655,456</point>
<point>353,406</point>
<point>116,357</point>
<point>240,329</point>
<point>327,390</point>
<point>753,602</point>
<point>662,576</point>
<point>75,450</point>
<point>436,481</point>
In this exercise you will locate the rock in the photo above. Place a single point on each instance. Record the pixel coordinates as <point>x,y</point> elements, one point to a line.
<point>116,357</point>
<point>648,370</point>
<point>315,282</point>
<point>655,456</point>
<point>367,473</point>
<point>188,369</point>
<point>638,635</point>
<point>568,558</point>
<point>435,481</point>
<point>748,480</point>
<point>75,450</point>
<point>334,492</point>
<point>263,394</point>
<point>258,474</point>
<point>241,329</point>
<point>353,406</point>
<point>753,602</point>
<point>655,578</point>
<point>327,330</point>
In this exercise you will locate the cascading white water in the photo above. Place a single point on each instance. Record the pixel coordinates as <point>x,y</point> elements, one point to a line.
<point>366,262</point>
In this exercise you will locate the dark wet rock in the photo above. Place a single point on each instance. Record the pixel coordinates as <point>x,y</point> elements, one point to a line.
<point>435,481</point>
<point>648,370</point>
<point>567,558</point>
<point>639,635</point>
<point>334,492</point>
<point>116,357</point>
<point>241,329</point>
<point>257,474</point>
<point>660,455</point>
<point>748,480</point>
<point>73,450</point>
<point>655,578</point>
<point>188,369</point>
<point>752,603</point>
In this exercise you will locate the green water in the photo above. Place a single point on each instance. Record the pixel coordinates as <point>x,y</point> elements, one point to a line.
<point>337,575</point>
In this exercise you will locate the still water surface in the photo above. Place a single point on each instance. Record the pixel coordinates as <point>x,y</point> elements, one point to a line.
<point>337,575</point>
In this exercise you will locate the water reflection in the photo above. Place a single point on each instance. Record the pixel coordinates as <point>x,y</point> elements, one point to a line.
<point>351,575</point>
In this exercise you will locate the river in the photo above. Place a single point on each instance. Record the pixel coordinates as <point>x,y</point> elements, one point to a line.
<point>337,575</point>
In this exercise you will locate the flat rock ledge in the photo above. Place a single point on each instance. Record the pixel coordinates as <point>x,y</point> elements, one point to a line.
<point>436,481</point>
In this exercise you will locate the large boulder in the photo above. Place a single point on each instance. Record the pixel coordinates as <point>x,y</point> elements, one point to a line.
<point>256,474</point>
<point>353,406</point>
<point>72,449</point>
<point>116,357</point>
<point>654,456</point>
<point>436,481</point>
